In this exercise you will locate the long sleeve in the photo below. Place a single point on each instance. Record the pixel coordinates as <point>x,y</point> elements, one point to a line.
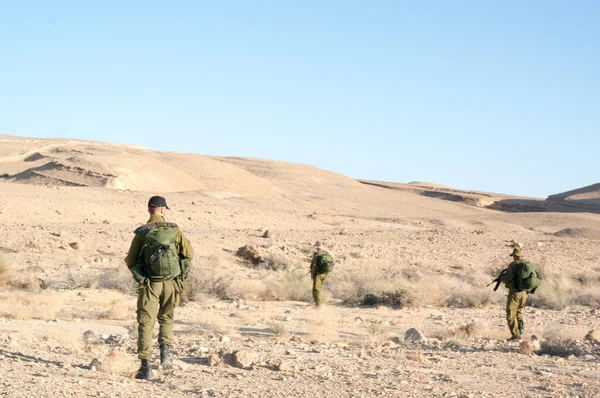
<point>186,249</point>
<point>134,251</point>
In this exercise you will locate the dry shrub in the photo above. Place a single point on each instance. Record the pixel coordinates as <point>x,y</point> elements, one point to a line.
<point>253,289</point>
<point>27,281</point>
<point>4,270</point>
<point>402,297</point>
<point>210,280</point>
<point>117,278</point>
<point>469,330</point>
<point>401,287</point>
<point>560,347</point>
<point>558,291</point>
<point>278,329</point>
<point>118,310</point>
<point>465,290</point>
<point>295,285</point>
<point>560,341</point>
<point>24,305</point>
<point>75,280</point>
<point>366,285</point>
<point>277,262</point>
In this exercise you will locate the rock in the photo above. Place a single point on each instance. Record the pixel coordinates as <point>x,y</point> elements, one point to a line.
<point>267,234</point>
<point>214,360</point>
<point>225,339</point>
<point>284,366</point>
<point>592,335</point>
<point>180,364</point>
<point>251,253</point>
<point>106,222</point>
<point>413,335</point>
<point>89,336</point>
<point>95,365</point>
<point>526,348</point>
<point>74,245</point>
<point>244,358</point>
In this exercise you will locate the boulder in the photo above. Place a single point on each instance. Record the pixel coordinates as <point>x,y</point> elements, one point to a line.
<point>244,358</point>
<point>250,253</point>
<point>413,335</point>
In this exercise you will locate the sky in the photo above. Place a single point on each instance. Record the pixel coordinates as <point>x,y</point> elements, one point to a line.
<point>498,96</point>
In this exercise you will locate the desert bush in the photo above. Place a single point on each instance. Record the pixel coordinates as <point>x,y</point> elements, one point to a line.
<point>211,280</point>
<point>560,347</point>
<point>295,285</point>
<point>364,286</point>
<point>75,280</point>
<point>119,279</point>
<point>402,297</point>
<point>276,262</point>
<point>4,269</point>
<point>24,305</point>
<point>277,328</point>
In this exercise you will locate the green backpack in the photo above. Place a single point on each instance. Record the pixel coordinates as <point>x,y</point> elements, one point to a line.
<point>324,263</point>
<point>526,277</point>
<point>160,253</point>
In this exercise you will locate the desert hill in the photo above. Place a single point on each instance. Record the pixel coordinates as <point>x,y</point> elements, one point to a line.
<point>407,255</point>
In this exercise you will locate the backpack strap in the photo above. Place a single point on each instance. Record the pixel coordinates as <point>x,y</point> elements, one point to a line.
<point>158,224</point>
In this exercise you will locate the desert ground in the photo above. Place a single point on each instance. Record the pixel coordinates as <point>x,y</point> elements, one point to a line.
<point>408,256</point>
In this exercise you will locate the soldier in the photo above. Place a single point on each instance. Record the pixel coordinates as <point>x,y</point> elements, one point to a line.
<point>521,278</point>
<point>159,259</point>
<point>320,266</point>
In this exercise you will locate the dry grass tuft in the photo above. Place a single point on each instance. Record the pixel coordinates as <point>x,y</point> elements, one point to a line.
<point>4,270</point>
<point>278,329</point>
<point>24,305</point>
<point>210,279</point>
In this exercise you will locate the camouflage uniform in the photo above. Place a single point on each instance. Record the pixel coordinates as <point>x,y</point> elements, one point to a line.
<point>318,279</point>
<point>156,300</point>
<point>516,299</point>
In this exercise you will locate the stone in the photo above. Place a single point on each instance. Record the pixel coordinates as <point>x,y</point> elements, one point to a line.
<point>214,360</point>
<point>75,245</point>
<point>284,366</point>
<point>250,253</point>
<point>592,335</point>
<point>95,365</point>
<point>526,348</point>
<point>225,339</point>
<point>267,234</point>
<point>244,358</point>
<point>413,335</point>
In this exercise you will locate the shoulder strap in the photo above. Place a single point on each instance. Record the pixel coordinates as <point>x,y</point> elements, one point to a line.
<point>151,225</point>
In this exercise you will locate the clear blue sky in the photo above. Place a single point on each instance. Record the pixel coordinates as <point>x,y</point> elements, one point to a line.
<point>499,96</point>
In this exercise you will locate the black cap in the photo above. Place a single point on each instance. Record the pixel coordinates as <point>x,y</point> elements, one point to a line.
<point>158,201</point>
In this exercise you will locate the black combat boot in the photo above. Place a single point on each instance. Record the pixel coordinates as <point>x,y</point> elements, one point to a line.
<point>165,360</point>
<point>145,371</point>
<point>521,326</point>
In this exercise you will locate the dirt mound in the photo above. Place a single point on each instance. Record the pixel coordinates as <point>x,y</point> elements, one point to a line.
<point>589,233</point>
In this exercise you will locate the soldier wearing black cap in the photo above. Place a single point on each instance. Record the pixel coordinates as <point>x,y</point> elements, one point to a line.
<point>159,259</point>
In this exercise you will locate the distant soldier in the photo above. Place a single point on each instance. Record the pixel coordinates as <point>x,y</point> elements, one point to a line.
<point>159,259</point>
<point>521,278</point>
<point>320,266</point>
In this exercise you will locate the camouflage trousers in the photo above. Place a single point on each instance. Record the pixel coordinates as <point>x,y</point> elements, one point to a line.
<point>514,314</point>
<point>318,282</point>
<point>158,300</point>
